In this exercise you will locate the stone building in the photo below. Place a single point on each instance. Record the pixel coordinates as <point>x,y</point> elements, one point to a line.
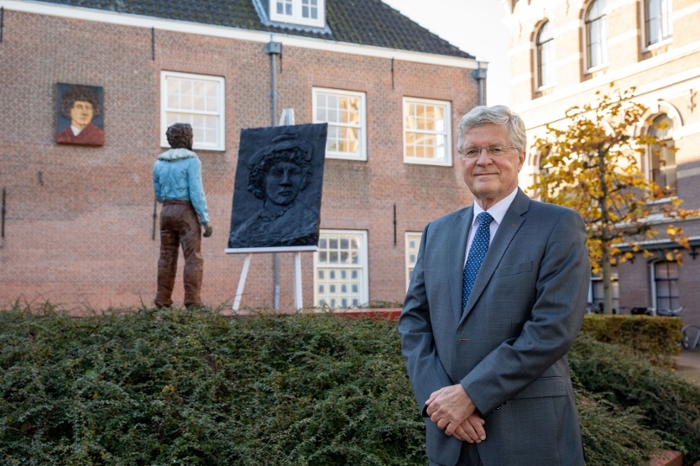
<point>79,224</point>
<point>563,51</point>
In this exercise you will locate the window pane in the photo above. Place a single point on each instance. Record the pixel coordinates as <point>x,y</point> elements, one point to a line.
<point>666,284</point>
<point>412,244</point>
<point>545,55</point>
<point>343,277</point>
<point>425,131</point>
<point>343,114</point>
<point>662,156</point>
<point>195,100</point>
<point>657,20</point>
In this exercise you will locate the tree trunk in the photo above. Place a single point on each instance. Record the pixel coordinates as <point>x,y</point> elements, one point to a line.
<point>607,291</point>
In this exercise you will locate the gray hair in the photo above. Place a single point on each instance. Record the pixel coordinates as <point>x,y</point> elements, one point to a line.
<point>498,115</point>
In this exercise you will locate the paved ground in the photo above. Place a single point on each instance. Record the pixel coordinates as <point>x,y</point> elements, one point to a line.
<point>688,364</point>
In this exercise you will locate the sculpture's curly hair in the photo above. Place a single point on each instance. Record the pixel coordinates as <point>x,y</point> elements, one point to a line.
<point>83,94</point>
<point>180,136</point>
<point>284,148</point>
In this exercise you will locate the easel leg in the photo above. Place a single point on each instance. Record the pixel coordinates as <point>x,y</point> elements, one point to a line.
<point>298,302</point>
<point>241,283</point>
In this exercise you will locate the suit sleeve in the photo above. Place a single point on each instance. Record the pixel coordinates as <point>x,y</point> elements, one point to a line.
<point>425,370</point>
<point>555,320</point>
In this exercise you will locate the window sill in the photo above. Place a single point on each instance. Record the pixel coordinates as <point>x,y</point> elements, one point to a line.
<point>434,163</point>
<point>665,200</point>
<point>352,158</point>
<point>597,69</point>
<point>657,45</point>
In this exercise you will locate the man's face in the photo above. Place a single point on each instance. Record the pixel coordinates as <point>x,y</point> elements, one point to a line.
<point>491,178</point>
<point>81,114</point>
<point>283,182</point>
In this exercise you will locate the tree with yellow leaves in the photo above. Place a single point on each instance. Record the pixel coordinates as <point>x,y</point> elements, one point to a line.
<point>593,166</point>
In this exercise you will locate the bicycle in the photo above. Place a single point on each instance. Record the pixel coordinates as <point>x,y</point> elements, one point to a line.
<point>691,337</point>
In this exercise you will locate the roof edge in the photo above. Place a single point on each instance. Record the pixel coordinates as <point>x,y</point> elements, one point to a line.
<point>124,19</point>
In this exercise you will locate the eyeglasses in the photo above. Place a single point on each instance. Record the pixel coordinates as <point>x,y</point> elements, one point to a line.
<point>494,151</point>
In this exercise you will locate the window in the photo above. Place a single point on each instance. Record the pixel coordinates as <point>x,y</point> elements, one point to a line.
<point>412,245</point>
<point>662,156</point>
<point>305,12</point>
<point>426,129</point>
<point>197,100</point>
<point>596,298</point>
<point>596,34</point>
<point>666,285</point>
<point>657,20</point>
<point>340,269</point>
<point>545,56</point>
<point>344,112</point>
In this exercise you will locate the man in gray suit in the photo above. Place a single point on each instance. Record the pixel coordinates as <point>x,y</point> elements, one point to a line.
<point>491,313</point>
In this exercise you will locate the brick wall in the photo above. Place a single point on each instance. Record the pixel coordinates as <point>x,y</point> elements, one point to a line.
<point>79,219</point>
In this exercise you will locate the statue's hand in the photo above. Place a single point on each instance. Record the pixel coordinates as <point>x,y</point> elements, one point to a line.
<point>207,231</point>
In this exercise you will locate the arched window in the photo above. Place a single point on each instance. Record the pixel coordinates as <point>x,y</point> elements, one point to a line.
<point>666,285</point>
<point>596,34</point>
<point>545,55</point>
<point>657,20</point>
<point>662,156</point>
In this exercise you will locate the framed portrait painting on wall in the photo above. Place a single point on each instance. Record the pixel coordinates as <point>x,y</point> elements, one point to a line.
<point>80,115</point>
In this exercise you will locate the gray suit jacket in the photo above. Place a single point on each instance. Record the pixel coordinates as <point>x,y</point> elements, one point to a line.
<point>508,348</point>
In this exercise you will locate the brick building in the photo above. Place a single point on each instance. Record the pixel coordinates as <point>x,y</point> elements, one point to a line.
<point>79,225</point>
<point>563,51</point>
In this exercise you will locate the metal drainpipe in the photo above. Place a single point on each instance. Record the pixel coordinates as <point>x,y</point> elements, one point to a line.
<point>480,75</point>
<point>273,49</point>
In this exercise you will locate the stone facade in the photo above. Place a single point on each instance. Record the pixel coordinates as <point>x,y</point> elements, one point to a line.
<point>79,228</point>
<point>667,79</point>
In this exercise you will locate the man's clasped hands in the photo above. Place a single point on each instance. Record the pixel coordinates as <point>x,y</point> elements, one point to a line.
<point>455,413</point>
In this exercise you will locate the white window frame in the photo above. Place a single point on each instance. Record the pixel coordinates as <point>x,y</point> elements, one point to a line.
<point>361,126</point>
<point>545,56</point>
<point>596,282</point>
<point>665,25</point>
<point>601,22</point>
<point>362,267</point>
<point>219,82</point>
<point>297,14</point>
<point>669,171</point>
<point>446,159</point>
<point>655,284</point>
<point>412,244</point>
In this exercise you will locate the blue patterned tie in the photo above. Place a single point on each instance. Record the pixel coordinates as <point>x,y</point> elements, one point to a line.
<point>476,255</point>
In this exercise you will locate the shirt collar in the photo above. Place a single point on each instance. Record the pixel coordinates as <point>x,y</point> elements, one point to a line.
<point>498,210</point>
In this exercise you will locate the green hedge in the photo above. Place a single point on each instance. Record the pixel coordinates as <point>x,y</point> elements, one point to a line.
<point>173,387</point>
<point>670,404</point>
<point>658,337</point>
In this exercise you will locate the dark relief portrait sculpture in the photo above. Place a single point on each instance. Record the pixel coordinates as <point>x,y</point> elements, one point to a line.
<point>277,193</point>
<point>80,118</point>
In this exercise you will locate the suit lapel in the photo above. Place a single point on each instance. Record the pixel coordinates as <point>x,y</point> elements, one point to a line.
<point>512,221</point>
<point>458,236</point>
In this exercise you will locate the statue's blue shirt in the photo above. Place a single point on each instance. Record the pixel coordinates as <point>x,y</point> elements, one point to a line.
<point>177,176</point>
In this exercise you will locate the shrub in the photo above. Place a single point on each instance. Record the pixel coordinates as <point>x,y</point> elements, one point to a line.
<point>658,337</point>
<point>613,435</point>
<point>149,387</point>
<point>669,403</point>
<point>197,388</point>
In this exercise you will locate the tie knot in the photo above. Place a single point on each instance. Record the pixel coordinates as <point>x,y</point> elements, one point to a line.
<point>485,218</point>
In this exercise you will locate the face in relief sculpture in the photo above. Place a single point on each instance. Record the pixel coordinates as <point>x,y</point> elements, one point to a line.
<point>279,174</point>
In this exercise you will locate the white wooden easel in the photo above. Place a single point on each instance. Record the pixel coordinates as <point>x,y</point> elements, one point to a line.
<point>287,118</point>
<point>298,301</point>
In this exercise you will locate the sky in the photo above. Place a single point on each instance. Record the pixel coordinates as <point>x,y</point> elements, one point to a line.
<point>476,27</point>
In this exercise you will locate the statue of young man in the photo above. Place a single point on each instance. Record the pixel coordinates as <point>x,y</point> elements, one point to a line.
<point>177,183</point>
